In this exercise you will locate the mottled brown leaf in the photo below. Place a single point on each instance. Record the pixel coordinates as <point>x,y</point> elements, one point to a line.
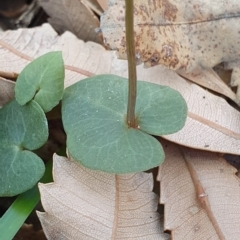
<point>182,35</point>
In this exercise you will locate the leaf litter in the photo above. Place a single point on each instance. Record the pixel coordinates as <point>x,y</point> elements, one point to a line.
<point>18,55</point>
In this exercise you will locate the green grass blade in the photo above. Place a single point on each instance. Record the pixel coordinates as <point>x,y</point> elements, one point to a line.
<point>18,212</point>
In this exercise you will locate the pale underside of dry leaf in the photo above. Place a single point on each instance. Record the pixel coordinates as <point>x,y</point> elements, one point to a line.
<point>6,91</point>
<point>212,124</point>
<point>74,16</point>
<point>87,204</point>
<point>201,195</point>
<point>182,35</point>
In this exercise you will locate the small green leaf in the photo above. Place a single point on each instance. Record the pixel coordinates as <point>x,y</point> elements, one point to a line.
<point>94,118</point>
<point>21,128</point>
<point>42,80</point>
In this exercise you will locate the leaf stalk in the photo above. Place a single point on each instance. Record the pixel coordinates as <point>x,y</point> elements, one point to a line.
<point>132,72</point>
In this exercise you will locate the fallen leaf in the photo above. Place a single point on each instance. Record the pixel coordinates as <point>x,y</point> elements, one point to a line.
<point>94,6</point>
<point>212,124</point>
<point>178,34</point>
<point>210,80</point>
<point>74,16</point>
<point>103,4</point>
<point>200,193</point>
<point>87,204</point>
<point>6,91</point>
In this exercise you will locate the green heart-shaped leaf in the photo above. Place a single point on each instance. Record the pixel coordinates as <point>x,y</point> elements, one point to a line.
<point>94,118</point>
<point>21,128</point>
<point>42,80</point>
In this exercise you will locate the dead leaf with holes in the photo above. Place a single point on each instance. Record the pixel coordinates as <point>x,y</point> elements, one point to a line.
<point>182,35</point>
<point>88,204</point>
<point>212,124</point>
<point>200,193</point>
<point>74,16</point>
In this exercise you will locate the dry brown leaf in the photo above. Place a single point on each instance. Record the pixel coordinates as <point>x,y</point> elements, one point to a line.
<point>74,16</point>
<point>210,80</point>
<point>185,35</point>
<point>103,4</point>
<point>201,195</point>
<point>178,34</point>
<point>6,91</point>
<point>94,6</point>
<point>87,204</point>
<point>212,124</point>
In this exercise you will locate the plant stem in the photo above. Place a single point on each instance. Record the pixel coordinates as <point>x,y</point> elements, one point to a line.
<point>132,73</point>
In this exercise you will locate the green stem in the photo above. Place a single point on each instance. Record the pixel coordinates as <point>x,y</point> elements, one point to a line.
<point>17,213</point>
<point>132,73</point>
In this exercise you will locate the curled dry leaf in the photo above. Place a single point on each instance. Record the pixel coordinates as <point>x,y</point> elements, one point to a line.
<point>201,195</point>
<point>6,91</point>
<point>212,124</point>
<point>74,16</point>
<point>178,34</point>
<point>87,204</point>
